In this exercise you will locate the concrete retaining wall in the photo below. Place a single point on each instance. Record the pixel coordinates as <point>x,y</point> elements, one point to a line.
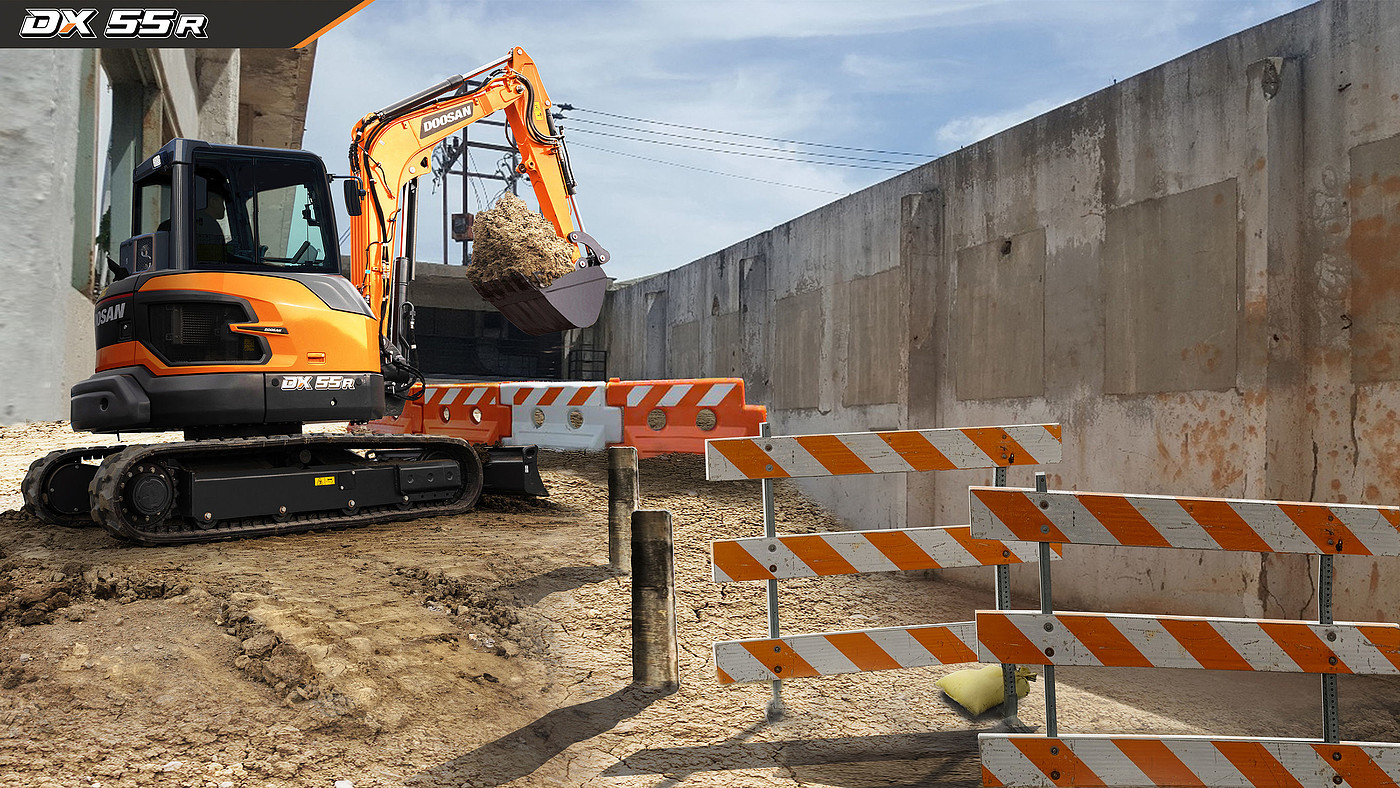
<point>1196,271</point>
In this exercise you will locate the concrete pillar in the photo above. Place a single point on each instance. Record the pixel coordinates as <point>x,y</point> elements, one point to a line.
<point>217,78</point>
<point>46,229</point>
<point>655,656</point>
<point>624,498</point>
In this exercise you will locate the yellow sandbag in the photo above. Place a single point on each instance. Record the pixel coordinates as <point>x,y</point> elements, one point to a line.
<point>979,689</point>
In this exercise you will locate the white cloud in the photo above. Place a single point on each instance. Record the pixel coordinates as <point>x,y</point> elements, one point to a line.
<point>971,128</point>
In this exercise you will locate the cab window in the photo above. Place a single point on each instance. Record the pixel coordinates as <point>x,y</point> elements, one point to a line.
<point>261,213</point>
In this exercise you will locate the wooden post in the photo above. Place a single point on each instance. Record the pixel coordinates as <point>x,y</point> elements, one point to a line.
<point>655,656</point>
<point>624,496</point>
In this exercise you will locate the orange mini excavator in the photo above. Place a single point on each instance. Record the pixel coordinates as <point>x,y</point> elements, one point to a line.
<point>230,319</point>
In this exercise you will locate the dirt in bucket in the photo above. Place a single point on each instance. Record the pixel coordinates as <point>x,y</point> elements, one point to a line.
<point>511,238</point>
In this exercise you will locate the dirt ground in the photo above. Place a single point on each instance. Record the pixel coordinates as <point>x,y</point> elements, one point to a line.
<point>493,649</point>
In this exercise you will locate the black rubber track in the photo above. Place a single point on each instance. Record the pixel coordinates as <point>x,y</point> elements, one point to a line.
<point>106,489</point>
<point>36,484</point>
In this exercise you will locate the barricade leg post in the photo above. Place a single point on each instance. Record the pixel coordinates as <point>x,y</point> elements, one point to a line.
<point>770,530</point>
<point>1010,703</point>
<point>1331,725</point>
<point>624,498</point>
<point>655,655</point>
<point>1046,606</point>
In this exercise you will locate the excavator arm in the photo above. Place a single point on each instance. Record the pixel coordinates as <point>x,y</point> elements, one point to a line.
<point>392,148</point>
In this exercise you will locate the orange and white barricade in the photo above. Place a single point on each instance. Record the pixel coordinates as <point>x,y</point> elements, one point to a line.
<point>774,557</point>
<point>1051,638</point>
<point>409,422</point>
<point>470,411</point>
<point>666,416</point>
<point>561,415</point>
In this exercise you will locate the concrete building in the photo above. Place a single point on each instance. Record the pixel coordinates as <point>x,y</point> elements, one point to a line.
<point>76,123</point>
<point>1196,271</point>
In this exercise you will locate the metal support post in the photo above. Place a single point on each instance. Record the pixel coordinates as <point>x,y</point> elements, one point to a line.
<point>1010,702</point>
<point>624,498</point>
<point>1331,727</point>
<point>655,654</point>
<point>770,530</point>
<point>1046,606</point>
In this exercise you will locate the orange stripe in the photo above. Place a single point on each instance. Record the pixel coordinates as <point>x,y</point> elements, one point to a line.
<point>1355,765</point>
<point>943,644</point>
<point>1104,641</point>
<point>327,28</point>
<point>1386,639</point>
<point>1121,519</point>
<point>987,552</point>
<point>735,561</point>
<point>1159,763</point>
<point>1321,524</point>
<point>859,648</point>
<point>996,444</point>
<point>900,549</point>
<point>1018,513</point>
<point>653,397</point>
<point>1392,516</point>
<point>751,460</point>
<point>1303,646</point>
<point>1054,429</point>
<point>1202,641</point>
<point>833,455</point>
<point>1257,764</point>
<point>784,662</point>
<point>820,556</point>
<point>1224,525</point>
<point>916,450</point>
<point>990,780</point>
<point>697,392</point>
<point>1071,769</point>
<point>581,396</point>
<point>550,395</point>
<point>724,678</point>
<point>1007,643</point>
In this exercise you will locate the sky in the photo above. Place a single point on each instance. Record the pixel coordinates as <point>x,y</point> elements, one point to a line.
<point>920,77</point>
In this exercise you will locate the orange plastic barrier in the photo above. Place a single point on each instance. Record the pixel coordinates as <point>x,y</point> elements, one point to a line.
<point>409,422</point>
<point>665,416</point>
<point>470,411</point>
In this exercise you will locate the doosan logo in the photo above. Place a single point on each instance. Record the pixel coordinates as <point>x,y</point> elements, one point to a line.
<point>121,23</point>
<point>442,120</point>
<point>113,312</point>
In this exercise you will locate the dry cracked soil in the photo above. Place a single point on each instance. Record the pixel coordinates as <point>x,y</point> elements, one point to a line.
<point>493,649</point>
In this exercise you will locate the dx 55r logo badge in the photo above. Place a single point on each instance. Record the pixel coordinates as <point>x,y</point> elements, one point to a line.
<point>120,23</point>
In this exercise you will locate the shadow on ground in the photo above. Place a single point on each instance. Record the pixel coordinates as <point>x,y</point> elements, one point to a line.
<point>898,760</point>
<point>532,589</point>
<point>521,752</point>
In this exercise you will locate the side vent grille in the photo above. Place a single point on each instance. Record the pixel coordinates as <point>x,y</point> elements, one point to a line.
<point>195,332</point>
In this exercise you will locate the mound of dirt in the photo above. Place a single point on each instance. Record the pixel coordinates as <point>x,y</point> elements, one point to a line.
<point>510,238</point>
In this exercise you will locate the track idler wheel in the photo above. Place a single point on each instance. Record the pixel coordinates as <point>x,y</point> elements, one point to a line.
<point>56,486</point>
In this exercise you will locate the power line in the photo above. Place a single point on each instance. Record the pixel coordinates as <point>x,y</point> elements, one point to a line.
<point>748,136</point>
<point>903,168</point>
<point>737,144</point>
<point>712,172</point>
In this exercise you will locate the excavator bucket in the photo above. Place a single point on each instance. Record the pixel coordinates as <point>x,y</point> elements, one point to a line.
<point>574,300</point>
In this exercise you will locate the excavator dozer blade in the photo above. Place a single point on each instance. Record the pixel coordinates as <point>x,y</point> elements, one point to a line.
<point>574,300</point>
<point>513,470</point>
